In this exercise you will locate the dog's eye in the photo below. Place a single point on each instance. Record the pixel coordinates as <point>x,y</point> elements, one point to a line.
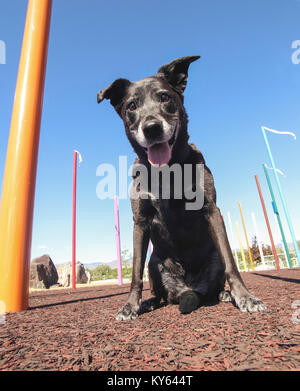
<point>164,98</point>
<point>131,106</point>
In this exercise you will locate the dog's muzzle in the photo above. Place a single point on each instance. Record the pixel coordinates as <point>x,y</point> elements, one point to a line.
<point>153,130</point>
<point>159,149</point>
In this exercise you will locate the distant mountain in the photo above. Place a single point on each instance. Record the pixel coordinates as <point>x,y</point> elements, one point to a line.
<point>111,264</point>
<point>93,265</point>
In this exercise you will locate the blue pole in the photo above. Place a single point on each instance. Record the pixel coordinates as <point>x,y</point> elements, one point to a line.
<point>287,215</point>
<point>275,209</point>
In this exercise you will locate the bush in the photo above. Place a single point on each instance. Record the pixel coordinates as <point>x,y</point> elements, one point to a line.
<point>104,272</point>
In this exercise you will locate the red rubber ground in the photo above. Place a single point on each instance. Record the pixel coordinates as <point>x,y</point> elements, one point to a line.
<point>77,330</point>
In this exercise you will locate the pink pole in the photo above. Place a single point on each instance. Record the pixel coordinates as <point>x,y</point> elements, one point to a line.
<point>118,240</point>
<point>74,223</point>
<point>150,249</point>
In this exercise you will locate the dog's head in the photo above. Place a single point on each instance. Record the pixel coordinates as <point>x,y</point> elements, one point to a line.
<point>152,110</point>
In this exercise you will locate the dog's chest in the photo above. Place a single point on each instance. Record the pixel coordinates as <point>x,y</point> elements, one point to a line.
<point>175,225</point>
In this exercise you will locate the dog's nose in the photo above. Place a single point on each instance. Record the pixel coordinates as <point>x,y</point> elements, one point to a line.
<point>152,130</point>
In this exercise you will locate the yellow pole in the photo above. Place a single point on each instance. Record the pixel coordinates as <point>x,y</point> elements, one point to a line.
<point>249,250</point>
<point>16,209</point>
<point>241,246</point>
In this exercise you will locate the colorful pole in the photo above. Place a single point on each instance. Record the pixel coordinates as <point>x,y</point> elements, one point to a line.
<point>249,250</point>
<point>281,243</point>
<point>267,221</point>
<point>241,246</point>
<point>149,256</point>
<point>287,215</point>
<point>233,241</point>
<point>74,222</point>
<point>118,240</point>
<point>258,239</point>
<point>150,249</point>
<point>17,204</point>
<point>277,215</point>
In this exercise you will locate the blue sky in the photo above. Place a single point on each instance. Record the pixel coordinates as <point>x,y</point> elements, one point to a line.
<point>244,79</point>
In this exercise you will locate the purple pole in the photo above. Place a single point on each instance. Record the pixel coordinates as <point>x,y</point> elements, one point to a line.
<point>118,240</point>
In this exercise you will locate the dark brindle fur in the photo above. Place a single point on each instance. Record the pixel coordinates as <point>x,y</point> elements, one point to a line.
<point>191,255</point>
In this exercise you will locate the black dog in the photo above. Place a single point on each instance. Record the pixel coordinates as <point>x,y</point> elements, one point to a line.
<point>191,255</point>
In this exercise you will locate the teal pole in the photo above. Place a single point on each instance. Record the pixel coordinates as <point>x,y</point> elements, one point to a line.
<point>287,215</point>
<point>277,215</point>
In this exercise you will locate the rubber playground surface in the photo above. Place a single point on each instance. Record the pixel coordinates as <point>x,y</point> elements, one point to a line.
<point>77,330</point>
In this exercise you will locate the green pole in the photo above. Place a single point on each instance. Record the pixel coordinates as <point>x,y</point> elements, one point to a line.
<point>287,215</point>
<point>277,215</point>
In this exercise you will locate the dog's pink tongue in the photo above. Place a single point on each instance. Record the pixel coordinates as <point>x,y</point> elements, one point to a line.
<point>159,154</point>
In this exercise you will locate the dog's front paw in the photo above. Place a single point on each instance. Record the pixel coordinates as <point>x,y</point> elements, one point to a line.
<point>128,312</point>
<point>249,303</point>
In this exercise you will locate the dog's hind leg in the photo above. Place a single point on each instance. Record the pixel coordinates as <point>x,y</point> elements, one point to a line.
<point>225,296</point>
<point>243,299</point>
<point>189,301</point>
<point>150,305</point>
<point>206,287</point>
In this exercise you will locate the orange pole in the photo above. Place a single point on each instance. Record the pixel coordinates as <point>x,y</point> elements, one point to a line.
<point>245,232</point>
<point>267,221</point>
<point>16,209</point>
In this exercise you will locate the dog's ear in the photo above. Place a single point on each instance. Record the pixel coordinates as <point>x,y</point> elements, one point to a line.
<point>115,92</point>
<point>176,72</point>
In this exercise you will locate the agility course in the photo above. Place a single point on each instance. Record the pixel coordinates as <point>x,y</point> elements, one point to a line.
<point>75,329</point>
